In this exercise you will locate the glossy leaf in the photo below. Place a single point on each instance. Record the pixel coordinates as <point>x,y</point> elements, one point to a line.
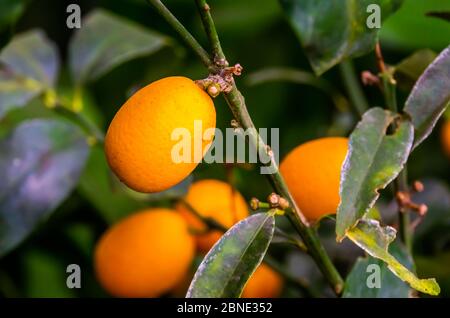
<point>225,270</point>
<point>356,284</point>
<point>374,159</point>
<point>430,97</point>
<point>28,65</point>
<point>332,31</point>
<point>40,164</point>
<point>375,239</point>
<point>408,71</point>
<point>106,41</point>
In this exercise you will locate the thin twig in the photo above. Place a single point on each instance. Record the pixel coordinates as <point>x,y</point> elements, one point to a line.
<point>380,59</point>
<point>237,105</point>
<point>217,53</point>
<point>80,120</point>
<point>236,102</point>
<point>401,182</point>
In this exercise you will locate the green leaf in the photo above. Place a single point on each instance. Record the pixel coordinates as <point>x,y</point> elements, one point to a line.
<point>106,41</point>
<point>411,29</point>
<point>225,270</point>
<point>97,186</point>
<point>390,286</point>
<point>332,31</point>
<point>40,163</point>
<point>374,159</point>
<point>444,15</point>
<point>279,74</point>
<point>408,71</point>
<point>45,275</point>
<point>28,65</point>
<point>375,239</point>
<point>430,97</point>
<point>10,12</point>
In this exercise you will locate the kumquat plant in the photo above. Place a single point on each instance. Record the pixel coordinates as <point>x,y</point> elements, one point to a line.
<point>225,149</point>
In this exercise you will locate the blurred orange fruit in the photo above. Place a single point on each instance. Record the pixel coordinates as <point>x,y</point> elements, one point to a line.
<point>139,143</point>
<point>144,255</point>
<point>312,172</point>
<point>215,199</point>
<point>264,283</point>
<point>445,137</point>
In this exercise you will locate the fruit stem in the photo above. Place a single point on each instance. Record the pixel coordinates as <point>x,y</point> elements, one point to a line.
<point>401,182</point>
<point>237,105</point>
<point>353,87</point>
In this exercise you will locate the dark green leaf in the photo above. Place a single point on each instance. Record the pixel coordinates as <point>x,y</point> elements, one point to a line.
<point>444,15</point>
<point>97,185</point>
<point>105,41</point>
<point>10,11</point>
<point>28,65</point>
<point>428,265</point>
<point>40,164</point>
<point>408,71</point>
<point>430,96</point>
<point>411,29</point>
<point>331,31</point>
<point>356,284</point>
<point>278,74</point>
<point>375,239</point>
<point>226,268</point>
<point>45,275</point>
<point>374,159</point>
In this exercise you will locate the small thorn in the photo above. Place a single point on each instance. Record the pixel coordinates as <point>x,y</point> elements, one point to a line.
<point>234,124</point>
<point>403,198</point>
<point>369,79</point>
<point>423,209</point>
<point>418,186</point>
<point>254,204</point>
<point>273,199</point>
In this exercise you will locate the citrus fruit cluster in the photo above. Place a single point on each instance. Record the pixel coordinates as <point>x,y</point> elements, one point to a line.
<point>150,253</point>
